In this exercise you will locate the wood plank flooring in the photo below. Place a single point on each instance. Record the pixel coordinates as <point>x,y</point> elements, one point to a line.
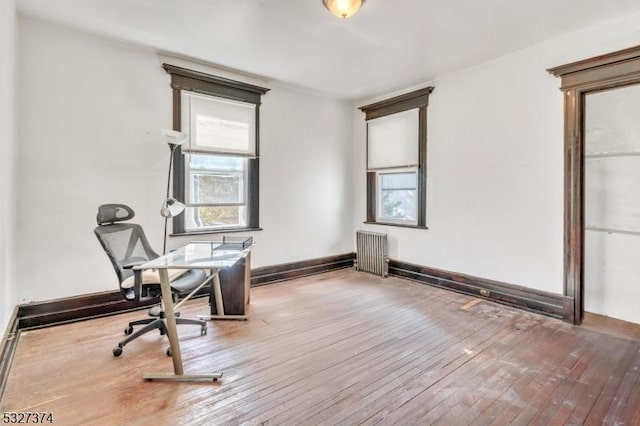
<point>339,348</point>
<point>615,327</point>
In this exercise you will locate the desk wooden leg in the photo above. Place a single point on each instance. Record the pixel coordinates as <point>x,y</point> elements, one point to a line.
<point>172,332</point>
<point>217,295</point>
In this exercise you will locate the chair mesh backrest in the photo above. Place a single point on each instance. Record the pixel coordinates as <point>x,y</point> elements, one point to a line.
<point>124,243</point>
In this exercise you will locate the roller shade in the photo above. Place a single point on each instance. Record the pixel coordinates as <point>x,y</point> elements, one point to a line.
<point>393,141</point>
<point>219,125</point>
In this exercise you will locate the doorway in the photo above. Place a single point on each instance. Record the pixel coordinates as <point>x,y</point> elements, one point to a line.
<point>601,216</point>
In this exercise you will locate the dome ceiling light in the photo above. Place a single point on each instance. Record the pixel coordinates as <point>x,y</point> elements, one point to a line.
<point>343,8</point>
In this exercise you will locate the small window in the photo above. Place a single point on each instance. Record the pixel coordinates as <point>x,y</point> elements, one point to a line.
<point>397,160</point>
<point>398,197</point>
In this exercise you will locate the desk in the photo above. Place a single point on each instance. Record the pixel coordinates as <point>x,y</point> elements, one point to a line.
<point>207,255</point>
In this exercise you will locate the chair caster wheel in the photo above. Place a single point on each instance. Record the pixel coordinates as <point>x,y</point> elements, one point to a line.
<point>162,332</point>
<point>169,353</point>
<point>203,331</point>
<point>215,379</point>
<point>117,351</point>
<point>128,331</point>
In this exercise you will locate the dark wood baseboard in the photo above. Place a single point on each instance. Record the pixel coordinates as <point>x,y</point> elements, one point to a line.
<point>87,306</point>
<point>79,308</point>
<point>69,309</point>
<point>8,349</point>
<point>550,304</point>
<point>289,271</point>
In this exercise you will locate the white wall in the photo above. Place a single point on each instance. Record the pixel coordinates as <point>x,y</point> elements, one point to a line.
<point>495,164</point>
<point>305,177</point>
<point>89,118</point>
<point>7,160</point>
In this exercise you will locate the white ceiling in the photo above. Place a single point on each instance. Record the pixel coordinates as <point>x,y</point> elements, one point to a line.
<point>388,45</point>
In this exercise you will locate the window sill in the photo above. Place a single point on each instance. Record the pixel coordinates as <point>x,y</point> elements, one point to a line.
<point>215,231</point>
<point>400,225</point>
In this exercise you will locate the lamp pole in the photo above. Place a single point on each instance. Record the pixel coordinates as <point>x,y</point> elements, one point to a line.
<point>172,148</point>
<point>171,207</point>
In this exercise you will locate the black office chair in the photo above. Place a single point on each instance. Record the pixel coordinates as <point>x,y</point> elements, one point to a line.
<point>127,246</point>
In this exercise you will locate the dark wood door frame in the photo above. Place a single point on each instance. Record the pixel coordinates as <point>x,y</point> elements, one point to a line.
<point>617,69</point>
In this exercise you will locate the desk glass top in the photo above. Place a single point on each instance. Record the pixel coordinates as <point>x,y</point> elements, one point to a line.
<point>199,255</point>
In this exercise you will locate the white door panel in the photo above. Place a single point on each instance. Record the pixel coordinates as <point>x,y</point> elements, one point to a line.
<point>612,118</point>
<point>613,193</point>
<point>611,284</point>
<point>612,203</point>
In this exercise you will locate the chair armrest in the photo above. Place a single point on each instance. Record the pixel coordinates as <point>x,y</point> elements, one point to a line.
<point>131,265</point>
<point>137,281</point>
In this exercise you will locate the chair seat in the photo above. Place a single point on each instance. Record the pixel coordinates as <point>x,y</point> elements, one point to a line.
<point>186,282</point>
<point>151,276</point>
<point>182,283</point>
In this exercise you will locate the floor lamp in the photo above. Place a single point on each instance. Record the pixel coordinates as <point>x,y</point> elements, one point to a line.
<point>170,206</point>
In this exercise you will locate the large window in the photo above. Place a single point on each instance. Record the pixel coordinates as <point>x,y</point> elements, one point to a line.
<point>216,173</point>
<point>397,160</point>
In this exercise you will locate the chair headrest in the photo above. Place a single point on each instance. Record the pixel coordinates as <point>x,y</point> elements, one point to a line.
<point>110,213</point>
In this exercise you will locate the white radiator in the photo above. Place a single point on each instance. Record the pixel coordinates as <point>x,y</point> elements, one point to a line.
<point>371,253</point>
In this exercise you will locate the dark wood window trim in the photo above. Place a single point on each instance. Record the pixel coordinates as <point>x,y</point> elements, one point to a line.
<point>399,225</point>
<point>617,69</point>
<point>195,81</point>
<point>418,99</point>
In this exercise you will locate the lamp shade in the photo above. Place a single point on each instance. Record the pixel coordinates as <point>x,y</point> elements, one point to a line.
<point>171,208</point>
<point>343,8</point>
<point>173,137</point>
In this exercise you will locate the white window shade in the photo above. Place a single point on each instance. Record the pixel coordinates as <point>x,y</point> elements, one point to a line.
<point>393,141</point>
<point>219,125</point>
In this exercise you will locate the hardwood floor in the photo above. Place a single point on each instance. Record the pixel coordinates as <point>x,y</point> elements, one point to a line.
<point>338,348</point>
<point>608,325</point>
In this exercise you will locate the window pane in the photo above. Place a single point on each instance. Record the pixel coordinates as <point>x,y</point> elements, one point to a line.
<point>215,217</point>
<point>216,162</point>
<point>398,196</point>
<point>216,188</point>
<point>398,205</point>
<point>398,180</point>
<point>216,179</point>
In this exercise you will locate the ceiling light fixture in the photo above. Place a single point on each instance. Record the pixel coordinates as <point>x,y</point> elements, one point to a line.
<point>343,8</point>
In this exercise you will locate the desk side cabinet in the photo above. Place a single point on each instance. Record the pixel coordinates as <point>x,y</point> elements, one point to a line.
<point>235,285</point>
